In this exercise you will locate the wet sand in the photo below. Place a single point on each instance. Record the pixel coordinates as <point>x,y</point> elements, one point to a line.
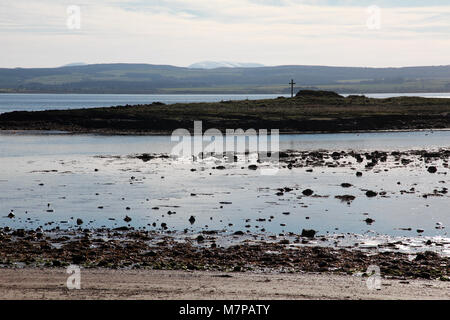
<point>279,264</point>
<point>380,192</point>
<point>158,284</point>
<point>125,248</point>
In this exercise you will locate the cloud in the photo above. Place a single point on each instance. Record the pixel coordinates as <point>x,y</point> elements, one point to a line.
<point>267,31</point>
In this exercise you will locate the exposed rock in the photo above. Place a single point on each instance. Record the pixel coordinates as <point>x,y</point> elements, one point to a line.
<point>371,193</point>
<point>346,185</point>
<point>308,233</point>
<point>432,169</point>
<point>317,93</point>
<point>346,198</point>
<point>145,157</point>
<point>427,255</point>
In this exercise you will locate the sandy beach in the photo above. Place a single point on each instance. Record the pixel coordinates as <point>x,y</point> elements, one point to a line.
<point>33,283</point>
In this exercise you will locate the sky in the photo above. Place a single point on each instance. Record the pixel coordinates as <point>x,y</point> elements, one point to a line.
<point>378,33</point>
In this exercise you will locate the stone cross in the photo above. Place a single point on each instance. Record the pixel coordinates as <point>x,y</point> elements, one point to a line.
<point>292,87</point>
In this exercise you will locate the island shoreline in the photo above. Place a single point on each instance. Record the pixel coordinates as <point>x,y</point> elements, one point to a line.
<point>168,133</point>
<point>308,112</point>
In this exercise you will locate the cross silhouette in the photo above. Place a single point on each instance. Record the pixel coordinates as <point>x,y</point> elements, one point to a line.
<point>292,87</point>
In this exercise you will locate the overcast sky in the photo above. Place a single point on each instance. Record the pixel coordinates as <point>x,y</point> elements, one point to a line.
<point>34,33</point>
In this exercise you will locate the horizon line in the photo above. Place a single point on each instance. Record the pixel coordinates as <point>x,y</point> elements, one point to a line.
<point>263,66</point>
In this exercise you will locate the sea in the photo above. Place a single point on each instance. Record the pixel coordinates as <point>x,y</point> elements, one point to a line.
<point>53,178</point>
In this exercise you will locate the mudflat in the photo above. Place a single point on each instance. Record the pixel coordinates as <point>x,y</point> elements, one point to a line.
<point>33,283</point>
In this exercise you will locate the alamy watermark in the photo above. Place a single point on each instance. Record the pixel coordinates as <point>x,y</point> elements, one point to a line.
<point>74,280</point>
<point>237,146</point>
<point>373,282</point>
<point>73,21</point>
<point>373,21</point>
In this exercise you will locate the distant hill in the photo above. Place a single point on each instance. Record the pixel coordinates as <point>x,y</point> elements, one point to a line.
<point>224,64</point>
<point>75,64</point>
<point>147,78</point>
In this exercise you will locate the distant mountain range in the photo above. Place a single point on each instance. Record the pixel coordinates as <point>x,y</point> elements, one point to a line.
<point>147,78</point>
<point>224,64</point>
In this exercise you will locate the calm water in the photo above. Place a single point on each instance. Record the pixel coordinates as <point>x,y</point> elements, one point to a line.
<point>22,143</point>
<point>42,170</point>
<point>44,101</point>
<point>35,102</point>
<point>57,171</point>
